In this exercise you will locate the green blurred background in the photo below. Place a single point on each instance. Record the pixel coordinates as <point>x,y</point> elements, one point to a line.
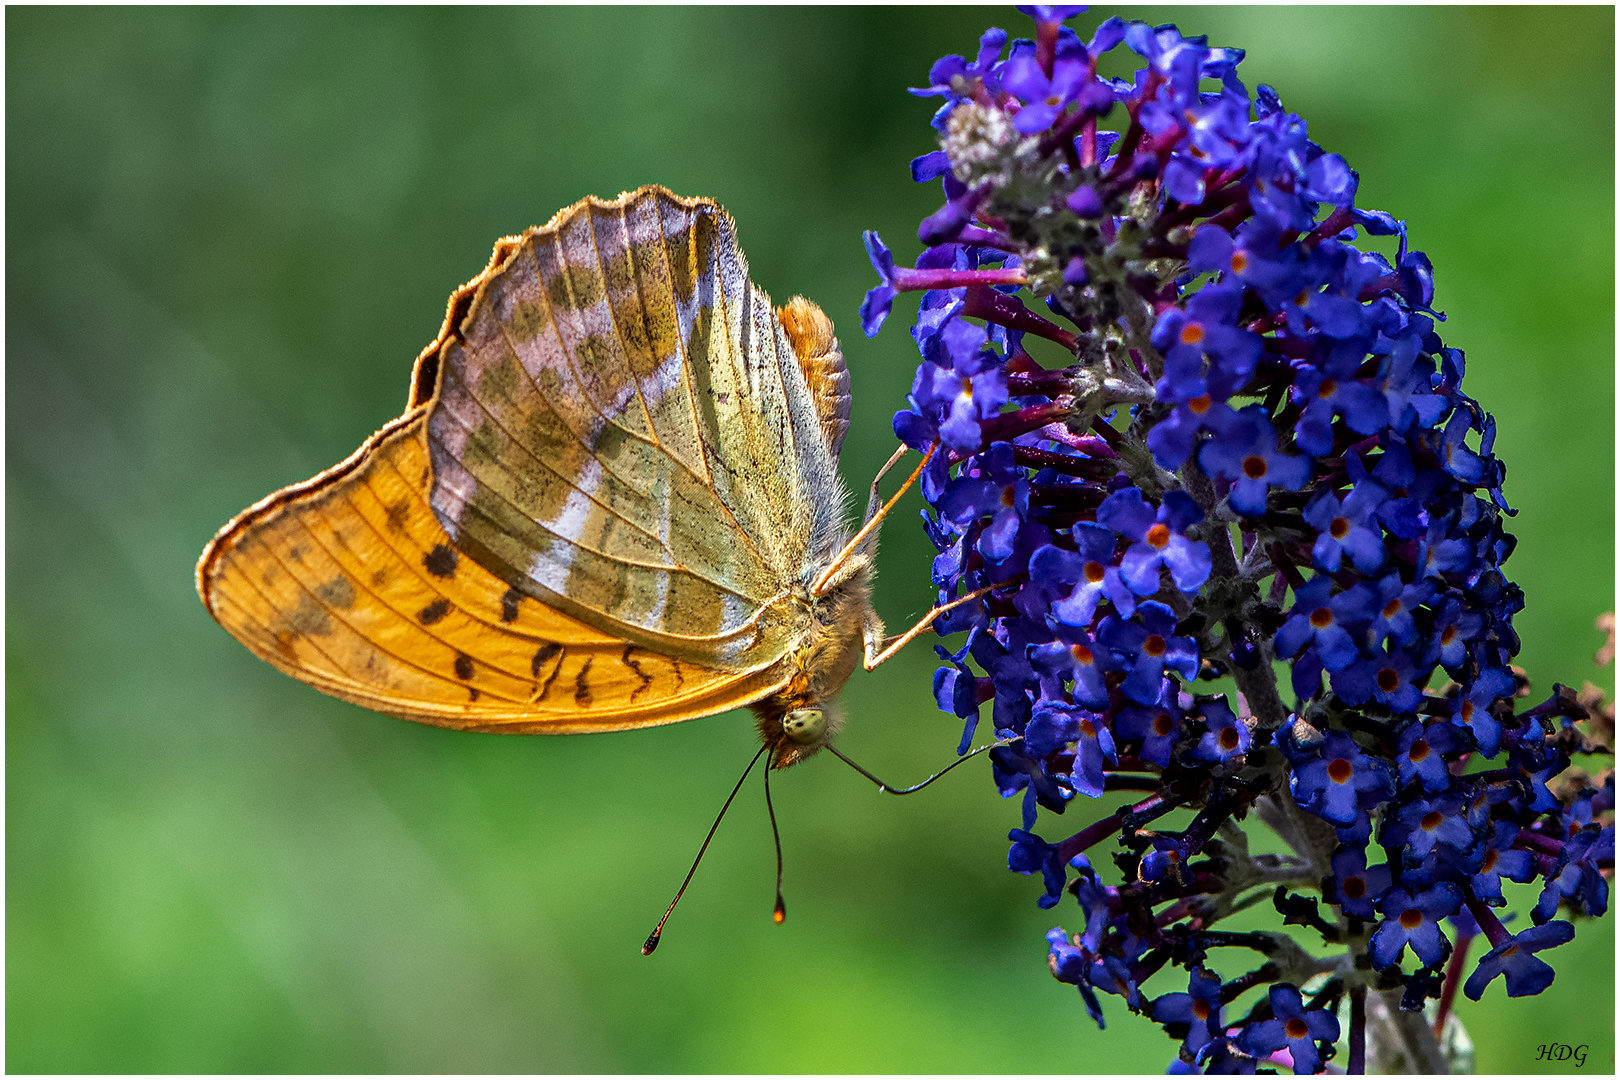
<point>228,234</point>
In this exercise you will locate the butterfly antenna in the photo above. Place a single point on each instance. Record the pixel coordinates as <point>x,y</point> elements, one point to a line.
<point>652,938</point>
<point>914,787</point>
<point>779,914</point>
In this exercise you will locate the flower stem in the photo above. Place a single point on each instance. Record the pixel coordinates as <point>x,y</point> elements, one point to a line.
<point>1086,837</point>
<point>1495,932</point>
<point>1454,977</point>
<point>1358,1032</point>
<point>907,279</point>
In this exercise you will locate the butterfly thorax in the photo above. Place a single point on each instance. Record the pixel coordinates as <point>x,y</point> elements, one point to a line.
<point>799,720</point>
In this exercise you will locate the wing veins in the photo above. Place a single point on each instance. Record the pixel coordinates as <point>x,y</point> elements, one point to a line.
<point>532,456</point>
<point>404,616</point>
<point>613,320</point>
<point>697,421</point>
<point>311,638</point>
<point>674,566</point>
<point>568,355</point>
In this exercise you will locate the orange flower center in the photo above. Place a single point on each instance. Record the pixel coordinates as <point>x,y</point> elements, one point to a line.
<point>1419,751</point>
<point>1431,821</point>
<point>1322,618</point>
<point>1163,724</point>
<point>1354,888</point>
<point>1192,334</point>
<point>1254,467</point>
<point>1296,1028</point>
<point>1154,645</point>
<point>1388,680</point>
<point>1338,528</point>
<point>1339,770</point>
<point>1095,571</point>
<point>1411,919</point>
<point>1158,535</point>
<point>1199,405</point>
<point>1327,388</point>
<point>1081,654</point>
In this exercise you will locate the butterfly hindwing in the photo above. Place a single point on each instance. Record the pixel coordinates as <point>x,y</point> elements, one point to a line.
<point>623,431</point>
<point>350,583</point>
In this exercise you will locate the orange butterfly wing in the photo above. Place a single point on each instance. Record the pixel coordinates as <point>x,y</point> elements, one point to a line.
<point>349,582</point>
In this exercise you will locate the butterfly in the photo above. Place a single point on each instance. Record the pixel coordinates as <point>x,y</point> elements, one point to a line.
<point>612,502</point>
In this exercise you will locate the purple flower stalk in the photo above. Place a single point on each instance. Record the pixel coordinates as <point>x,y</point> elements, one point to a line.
<point>1258,451</point>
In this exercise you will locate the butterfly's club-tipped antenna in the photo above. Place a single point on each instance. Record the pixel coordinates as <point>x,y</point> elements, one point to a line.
<point>914,787</point>
<point>779,913</point>
<point>652,938</point>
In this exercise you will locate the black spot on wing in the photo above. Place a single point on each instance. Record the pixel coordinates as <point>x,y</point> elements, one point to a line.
<point>509,606</point>
<point>396,515</point>
<point>441,561</point>
<point>433,612</point>
<point>541,655</point>
<point>646,679</point>
<point>582,686</point>
<point>464,666</point>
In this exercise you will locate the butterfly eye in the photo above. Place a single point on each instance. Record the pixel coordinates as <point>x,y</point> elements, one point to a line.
<point>805,726</point>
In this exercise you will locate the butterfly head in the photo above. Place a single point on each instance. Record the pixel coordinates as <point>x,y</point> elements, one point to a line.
<point>807,727</point>
<point>796,729</point>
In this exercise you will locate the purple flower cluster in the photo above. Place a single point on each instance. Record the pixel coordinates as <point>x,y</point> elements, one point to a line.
<point>1259,452</point>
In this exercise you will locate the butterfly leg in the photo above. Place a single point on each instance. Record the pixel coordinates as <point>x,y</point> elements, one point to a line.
<point>874,501</point>
<point>874,518</point>
<point>878,649</point>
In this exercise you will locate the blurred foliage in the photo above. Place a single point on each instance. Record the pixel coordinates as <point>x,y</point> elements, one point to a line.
<point>228,233</point>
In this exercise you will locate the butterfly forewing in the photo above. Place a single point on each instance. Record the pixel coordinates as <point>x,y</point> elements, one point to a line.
<point>623,431</point>
<point>351,584</point>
